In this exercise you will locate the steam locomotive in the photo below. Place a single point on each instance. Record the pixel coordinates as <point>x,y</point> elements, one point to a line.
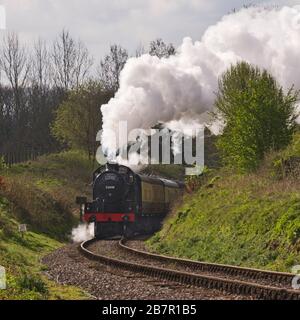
<point>126,203</point>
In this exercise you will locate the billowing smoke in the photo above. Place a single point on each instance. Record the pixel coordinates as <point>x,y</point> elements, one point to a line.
<point>179,90</point>
<point>83,232</point>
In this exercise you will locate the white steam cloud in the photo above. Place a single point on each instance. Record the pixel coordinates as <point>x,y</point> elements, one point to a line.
<point>83,232</point>
<point>179,90</point>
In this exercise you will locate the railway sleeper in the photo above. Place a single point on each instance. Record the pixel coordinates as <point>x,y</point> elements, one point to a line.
<point>196,280</point>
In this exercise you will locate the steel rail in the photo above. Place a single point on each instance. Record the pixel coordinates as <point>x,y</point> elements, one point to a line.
<point>211,282</point>
<point>284,278</point>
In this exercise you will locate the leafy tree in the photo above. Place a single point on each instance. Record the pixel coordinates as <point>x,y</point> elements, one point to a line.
<point>78,119</point>
<point>258,115</point>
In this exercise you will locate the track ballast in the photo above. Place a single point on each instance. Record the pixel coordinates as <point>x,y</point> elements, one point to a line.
<point>255,283</point>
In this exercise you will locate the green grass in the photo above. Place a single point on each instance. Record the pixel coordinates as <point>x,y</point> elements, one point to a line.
<point>41,194</point>
<point>249,220</point>
<point>21,257</point>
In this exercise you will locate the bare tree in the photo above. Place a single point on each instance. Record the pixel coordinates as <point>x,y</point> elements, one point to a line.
<point>160,49</point>
<point>41,67</point>
<point>14,61</point>
<point>111,67</point>
<point>83,63</point>
<point>63,60</point>
<point>15,65</point>
<point>140,50</point>
<point>71,61</point>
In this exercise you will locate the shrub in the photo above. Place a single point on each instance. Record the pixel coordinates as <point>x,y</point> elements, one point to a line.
<point>33,283</point>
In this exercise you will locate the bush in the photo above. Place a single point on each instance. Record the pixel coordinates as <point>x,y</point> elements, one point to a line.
<point>32,283</point>
<point>194,182</point>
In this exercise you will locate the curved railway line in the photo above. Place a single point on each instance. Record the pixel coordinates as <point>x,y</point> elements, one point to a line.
<point>256,283</point>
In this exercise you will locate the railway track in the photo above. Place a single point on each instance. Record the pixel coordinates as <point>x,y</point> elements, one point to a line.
<point>256,283</point>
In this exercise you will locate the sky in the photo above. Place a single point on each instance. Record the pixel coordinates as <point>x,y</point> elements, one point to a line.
<point>130,23</point>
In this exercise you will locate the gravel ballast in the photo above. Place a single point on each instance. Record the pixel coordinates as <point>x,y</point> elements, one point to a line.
<point>67,266</point>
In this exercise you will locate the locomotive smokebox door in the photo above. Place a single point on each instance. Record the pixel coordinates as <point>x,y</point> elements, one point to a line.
<point>81,201</point>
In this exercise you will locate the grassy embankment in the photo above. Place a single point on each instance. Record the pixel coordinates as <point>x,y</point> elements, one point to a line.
<point>249,220</point>
<point>40,194</point>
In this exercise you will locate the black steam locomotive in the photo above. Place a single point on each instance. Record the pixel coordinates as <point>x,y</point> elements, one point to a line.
<point>125,203</point>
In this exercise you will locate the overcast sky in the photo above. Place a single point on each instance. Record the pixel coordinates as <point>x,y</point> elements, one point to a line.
<point>100,23</point>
